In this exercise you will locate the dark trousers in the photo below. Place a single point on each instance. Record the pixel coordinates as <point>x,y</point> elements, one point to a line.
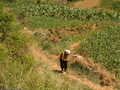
<point>63,65</point>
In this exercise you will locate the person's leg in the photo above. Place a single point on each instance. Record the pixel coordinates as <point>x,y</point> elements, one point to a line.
<point>65,65</point>
<point>61,63</point>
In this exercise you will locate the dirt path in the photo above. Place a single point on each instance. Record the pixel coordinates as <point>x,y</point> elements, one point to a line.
<point>38,54</point>
<point>87,3</point>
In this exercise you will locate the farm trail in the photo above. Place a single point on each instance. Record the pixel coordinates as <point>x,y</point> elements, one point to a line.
<point>87,3</point>
<point>39,54</point>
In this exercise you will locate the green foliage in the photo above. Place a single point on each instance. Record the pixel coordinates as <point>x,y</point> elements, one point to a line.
<point>14,42</point>
<point>1,7</point>
<point>17,44</point>
<point>10,1</point>
<point>61,11</point>
<point>106,3</point>
<point>3,53</point>
<point>5,25</point>
<point>39,81</point>
<point>103,47</point>
<point>83,71</point>
<point>9,74</point>
<point>48,22</point>
<point>12,71</point>
<point>116,6</point>
<point>54,48</point>
<point>16,64</point>
<point>14,58</point>
<point>16,75</point>
<point>15,48</point>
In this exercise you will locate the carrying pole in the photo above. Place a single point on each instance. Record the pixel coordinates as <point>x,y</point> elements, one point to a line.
<point>61,45</point>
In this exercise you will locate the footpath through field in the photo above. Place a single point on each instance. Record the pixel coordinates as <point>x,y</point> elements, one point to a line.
<point>54,66</point>
<point>87,3</point>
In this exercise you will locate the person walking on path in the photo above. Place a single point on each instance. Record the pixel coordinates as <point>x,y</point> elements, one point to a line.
<point>64,59</point>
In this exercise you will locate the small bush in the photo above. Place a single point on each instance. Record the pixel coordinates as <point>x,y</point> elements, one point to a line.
<point>11,0</point>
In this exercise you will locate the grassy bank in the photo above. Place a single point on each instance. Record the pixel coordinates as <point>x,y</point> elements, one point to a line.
<point>17,65</point>
<point>46,26</point>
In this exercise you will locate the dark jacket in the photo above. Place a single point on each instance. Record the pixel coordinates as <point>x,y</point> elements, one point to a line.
<point>64,56</point>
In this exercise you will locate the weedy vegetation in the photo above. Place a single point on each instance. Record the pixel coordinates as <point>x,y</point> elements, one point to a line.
<point>103,47</point>
<point>17,65</point>
<point>51,25</point>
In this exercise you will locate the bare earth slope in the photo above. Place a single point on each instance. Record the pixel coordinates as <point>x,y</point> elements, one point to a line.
<point>86,3</point>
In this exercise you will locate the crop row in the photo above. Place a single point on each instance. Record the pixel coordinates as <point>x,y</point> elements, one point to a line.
<point>116,5</point>
<point>104,47</point>
<point>62,11</point>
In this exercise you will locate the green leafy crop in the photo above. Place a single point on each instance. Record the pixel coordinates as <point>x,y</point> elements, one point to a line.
<point>104,47</point>
<point>27,9</point>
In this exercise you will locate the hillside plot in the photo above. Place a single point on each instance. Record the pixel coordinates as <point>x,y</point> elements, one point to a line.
<point>86,3</point>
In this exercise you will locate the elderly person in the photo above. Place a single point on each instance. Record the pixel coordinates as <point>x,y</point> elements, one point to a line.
<point>64,59</point>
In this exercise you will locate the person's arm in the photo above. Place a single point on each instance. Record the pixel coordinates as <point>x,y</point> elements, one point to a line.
<point>62,57</point>
<point>66,60</point>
